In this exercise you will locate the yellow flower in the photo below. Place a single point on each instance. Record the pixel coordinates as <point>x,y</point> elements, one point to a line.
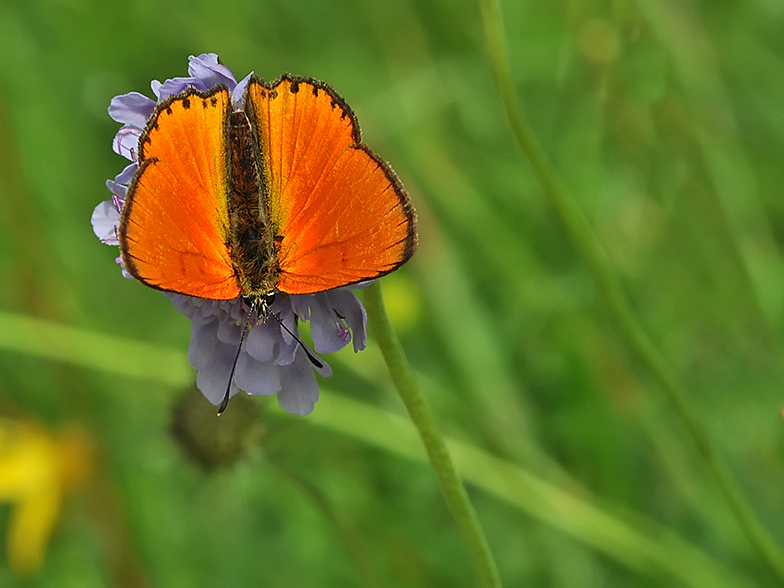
<point>36,468</point>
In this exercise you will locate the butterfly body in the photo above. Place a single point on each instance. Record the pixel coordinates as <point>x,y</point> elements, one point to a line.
<point>251,243</point>
<point>277,195</point>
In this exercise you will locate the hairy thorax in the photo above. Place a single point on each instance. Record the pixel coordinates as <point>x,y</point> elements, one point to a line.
<point>252,237</point>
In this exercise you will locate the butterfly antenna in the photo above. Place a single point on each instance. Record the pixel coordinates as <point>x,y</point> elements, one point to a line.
<point>225,402</point>
<point>313,359</point>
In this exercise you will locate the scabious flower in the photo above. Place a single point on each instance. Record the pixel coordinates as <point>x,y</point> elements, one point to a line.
<point>271,360</point>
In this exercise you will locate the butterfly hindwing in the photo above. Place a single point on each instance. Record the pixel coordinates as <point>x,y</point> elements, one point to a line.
<point>174,227</point>
<point>340,214</point>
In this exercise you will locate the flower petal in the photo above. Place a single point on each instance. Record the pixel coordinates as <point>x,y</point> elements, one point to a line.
<point>257,377</point>
<point>208,68</point>
<point>325,371</point>
<point>119,185</point>
<point>126,142</point>
<point>205,71</point>
<point>204,343</point>
<point>30,527</point>
<point>329,333</point>
<point>183,304</point>
<point>260,342</point>
<point>229,332</point>
<point>238,93</point>
<point>124,271</point>
<point>132,109</point>
<point>348,306</point>
<point>174,86</point>
<point>105,221</point>
<point>299,391</point>
<point>212,381</point>
<point>282,309</point>
<point>334,316</point>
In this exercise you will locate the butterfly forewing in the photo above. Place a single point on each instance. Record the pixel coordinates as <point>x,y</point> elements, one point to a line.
<point>339,212</point>
<point>174,225</point>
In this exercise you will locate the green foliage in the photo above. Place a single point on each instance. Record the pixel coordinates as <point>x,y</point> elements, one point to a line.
<point>666,121</point>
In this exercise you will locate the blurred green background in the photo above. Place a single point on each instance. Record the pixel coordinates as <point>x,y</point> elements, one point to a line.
<point>666,120</point>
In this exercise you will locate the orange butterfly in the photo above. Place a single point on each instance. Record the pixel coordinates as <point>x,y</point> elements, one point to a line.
<point>278,195</point>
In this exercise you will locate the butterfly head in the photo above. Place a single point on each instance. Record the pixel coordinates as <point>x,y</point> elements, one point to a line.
<point>259,305</point>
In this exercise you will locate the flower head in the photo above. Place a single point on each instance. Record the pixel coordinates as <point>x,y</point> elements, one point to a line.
<point>37,467</point>
<point>271,359</point>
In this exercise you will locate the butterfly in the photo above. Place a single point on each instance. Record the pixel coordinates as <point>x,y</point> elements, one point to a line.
<point>277,195</point>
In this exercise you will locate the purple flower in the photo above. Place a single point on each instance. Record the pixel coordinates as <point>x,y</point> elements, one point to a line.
<point>271,359</point>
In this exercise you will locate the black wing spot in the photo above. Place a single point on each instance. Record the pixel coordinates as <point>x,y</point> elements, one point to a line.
<point>273,94</point>
<point>168,110</point>
<point>294,88</point>
<point>214,101</point>
<point>315,91</point>
<point>186,104</point>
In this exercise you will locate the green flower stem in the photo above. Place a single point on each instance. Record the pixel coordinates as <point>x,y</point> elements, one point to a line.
<point>588,245</point>
<point>451,485</point>
<point>641,545</point>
